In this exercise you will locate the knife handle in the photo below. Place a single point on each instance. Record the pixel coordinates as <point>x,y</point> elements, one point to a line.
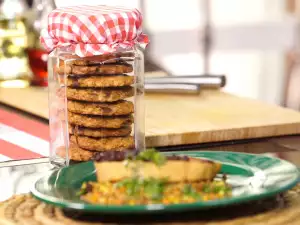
<point>202,80</point>
<point>172,88</point>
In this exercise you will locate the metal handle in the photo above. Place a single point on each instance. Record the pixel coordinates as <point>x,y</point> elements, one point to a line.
<point>172,88</point>
<point>203,80</point>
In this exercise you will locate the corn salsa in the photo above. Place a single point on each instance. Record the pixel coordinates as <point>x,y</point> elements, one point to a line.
<point>135,191</point>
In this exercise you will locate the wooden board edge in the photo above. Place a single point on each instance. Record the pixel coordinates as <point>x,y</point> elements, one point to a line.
<point>215,136</point>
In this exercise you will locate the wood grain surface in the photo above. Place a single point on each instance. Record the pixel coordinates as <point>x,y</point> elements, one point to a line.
<point>174,119</point>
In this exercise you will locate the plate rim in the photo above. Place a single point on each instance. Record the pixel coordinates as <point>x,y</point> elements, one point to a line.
<point>165,208</point>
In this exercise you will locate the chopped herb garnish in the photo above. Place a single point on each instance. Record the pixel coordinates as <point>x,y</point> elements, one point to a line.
<point>85,188</point>
<point>159,159</point>
<point>153,188</point>
<point>153,156</point>
<point>132,185</point>
<point>227,189</point>
<point>189,191</point>
<point>81,192</point>
<point>206,188</point>
<point>217,189</point>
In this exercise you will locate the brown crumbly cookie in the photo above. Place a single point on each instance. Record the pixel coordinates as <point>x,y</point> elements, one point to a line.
<point>100,81</point>
<point>100,132</point>
<point>118,108</point>
<point>103,144</point>
<point>45,214</point>
<point>99,121</point>
<point>9,207</point>
<point>107,69</point>
<point>75,153</point>
<point>25,212</point>
<point>100,94</point>
<point>97,59</point>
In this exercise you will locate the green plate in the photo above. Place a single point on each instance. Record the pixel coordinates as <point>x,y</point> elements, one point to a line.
<point>252,176</point>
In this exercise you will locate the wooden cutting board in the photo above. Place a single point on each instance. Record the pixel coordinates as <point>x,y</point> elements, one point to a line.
<point>187,119</point>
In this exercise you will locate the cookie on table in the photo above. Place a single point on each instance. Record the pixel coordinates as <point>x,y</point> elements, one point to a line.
<point>99,132</point>
<point>100,94</point>
<point>25,211</point>
<point>107,69</point>
<point>100,121</point>
<point>19,209</point>
<point>100,81</point>
<point>103,144</point>
<point>9,207</point>
<point>97,59</point>
<point>121,107</point>
<point>45,215</point>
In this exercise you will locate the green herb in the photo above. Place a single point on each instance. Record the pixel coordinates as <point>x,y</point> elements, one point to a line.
<point>188,190</point>
<point>153,156</point>
<point>227,189</point>
<point>83,190</point>
<point>206,188</point>
<point>132,185</point>
<point>154,188</point>
<point>159,159</point>
<point>217,189</point>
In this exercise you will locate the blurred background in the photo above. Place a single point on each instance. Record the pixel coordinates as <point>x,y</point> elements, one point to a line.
<point>254,43</point>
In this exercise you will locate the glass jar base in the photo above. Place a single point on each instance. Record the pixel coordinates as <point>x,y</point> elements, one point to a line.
<point>59,162</point>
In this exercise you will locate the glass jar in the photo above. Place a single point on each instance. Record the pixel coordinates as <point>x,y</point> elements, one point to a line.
<point>95,104</point>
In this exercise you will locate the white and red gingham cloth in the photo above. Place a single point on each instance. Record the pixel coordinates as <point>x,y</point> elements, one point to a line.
<point>94,30</point>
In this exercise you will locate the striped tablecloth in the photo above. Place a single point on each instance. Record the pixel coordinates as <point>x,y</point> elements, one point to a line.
<point>21,137</point>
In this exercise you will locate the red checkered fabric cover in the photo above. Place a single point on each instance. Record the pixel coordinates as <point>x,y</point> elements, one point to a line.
<point>94,30</point>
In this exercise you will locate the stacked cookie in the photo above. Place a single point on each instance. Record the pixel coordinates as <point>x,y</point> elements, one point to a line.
<point>100,114</point>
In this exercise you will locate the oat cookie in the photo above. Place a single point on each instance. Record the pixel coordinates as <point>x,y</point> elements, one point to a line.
<point>100,81</point>
<point>100,94</point>
<point>45,214</point>
<point>103,144</point>
<point>25,212</point>
<point>100,121</point>
<point>75,153</point>
<point>107,69</point>
<point>9,207</point>
<point>118,108</point>
<point>100,132</point>
<point>97,59</point>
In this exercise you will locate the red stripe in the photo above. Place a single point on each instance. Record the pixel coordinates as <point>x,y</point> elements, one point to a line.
<point>32,127</point>
<point>15,152</point>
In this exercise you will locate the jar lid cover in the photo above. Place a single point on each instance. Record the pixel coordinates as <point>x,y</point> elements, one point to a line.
<point>94,30</point>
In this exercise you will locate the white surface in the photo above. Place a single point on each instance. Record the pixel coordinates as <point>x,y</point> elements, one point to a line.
<point>4,158</point>
<point>19,179</point>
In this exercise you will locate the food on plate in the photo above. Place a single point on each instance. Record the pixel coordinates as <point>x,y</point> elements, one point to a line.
<point>150,177</point>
